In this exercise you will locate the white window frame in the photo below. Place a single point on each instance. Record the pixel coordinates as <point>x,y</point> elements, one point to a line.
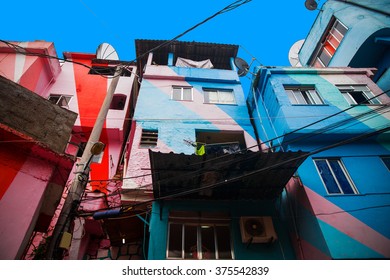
<point>321,46</point>
<point>182,97</point>
<point>303,95</point>
<point>219,93</point>
<point>61,98</point>
<point>345,172</point>
<point>348,91</point>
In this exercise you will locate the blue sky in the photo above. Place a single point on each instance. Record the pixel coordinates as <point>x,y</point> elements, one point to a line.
<point>265,29</point>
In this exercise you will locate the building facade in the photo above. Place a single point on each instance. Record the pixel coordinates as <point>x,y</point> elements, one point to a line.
<point>82,87</point>
<point>351,33</point>
<point>339,197</point>
<point>33,159</point>
<point>76,89</point>
<point>195,166</point>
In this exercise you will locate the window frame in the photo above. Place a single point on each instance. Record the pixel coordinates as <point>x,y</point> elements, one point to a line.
<point>60,97</point>
<point>218,91</point>
<point>199,223</point>
<point>326,41</point>
<point>182,88</point>
<point>310,92</point>
<point>335,178</point>
<point>370,97</point>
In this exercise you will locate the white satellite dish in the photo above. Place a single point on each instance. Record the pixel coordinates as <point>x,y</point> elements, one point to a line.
<point>293,53</point>
<point>106,51</point>
<point>311,5</point>
<point>242,66</point>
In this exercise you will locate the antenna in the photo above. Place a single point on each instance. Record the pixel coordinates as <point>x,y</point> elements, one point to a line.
<point>242,66</point>
<point>293,53</point>
<point>106,51</point>
<point>311,5</point>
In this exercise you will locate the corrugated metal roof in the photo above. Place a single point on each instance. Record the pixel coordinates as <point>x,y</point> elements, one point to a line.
<point>219,54</point>
<point>247,175</point>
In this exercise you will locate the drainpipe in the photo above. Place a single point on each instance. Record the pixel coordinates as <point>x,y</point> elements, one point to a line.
<point>81,179</point>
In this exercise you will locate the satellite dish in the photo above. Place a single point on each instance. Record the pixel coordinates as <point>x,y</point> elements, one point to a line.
<point>242,66</point>
<point>311,5</point>
<point>293,53</point>
<point>106,51</point>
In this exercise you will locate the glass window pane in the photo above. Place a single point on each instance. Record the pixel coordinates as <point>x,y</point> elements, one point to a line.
<point>348,98</point>
<point>208,242</point>
<point>327,176</point>
<point>306,95</point>
<point>325,57</point>
<point>190,242</point>
<point>212,96</point>
<point>317,99</point>
<point>371,96</point>
<point>187,94</point>
<point>176,94</point>
<point>175,241</point>
<point>299,97</point>
<point>223,243</point>
<point>226,97</point>
<point>291,96</point>
<point>340,28</point>
<point>330,48</point>
<point>341,177</point>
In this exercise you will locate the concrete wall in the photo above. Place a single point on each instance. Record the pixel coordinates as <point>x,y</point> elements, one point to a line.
<point>31,115</point>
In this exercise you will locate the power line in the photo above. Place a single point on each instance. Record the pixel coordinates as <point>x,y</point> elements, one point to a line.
<point>340,143</point>
<point>225,181</point>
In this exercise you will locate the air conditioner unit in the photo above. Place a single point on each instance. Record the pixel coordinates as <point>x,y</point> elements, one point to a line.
<point>257,229</point>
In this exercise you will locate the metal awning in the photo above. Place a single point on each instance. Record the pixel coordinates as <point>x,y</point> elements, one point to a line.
<point>249,175</point>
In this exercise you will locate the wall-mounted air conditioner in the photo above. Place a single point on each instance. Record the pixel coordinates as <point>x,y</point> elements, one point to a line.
<point>257,229</point>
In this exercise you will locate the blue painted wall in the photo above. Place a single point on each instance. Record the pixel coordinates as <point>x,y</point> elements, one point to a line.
<point>281,249</point>
<point>347,226</point>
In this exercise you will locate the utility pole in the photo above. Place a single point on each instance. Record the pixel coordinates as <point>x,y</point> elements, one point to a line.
<point>80,181</point>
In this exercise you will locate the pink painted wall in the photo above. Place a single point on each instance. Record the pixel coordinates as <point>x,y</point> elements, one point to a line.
<point>19,207</point>
<point>33,72</point>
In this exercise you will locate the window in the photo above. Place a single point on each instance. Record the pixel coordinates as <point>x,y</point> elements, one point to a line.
<point>386,161</point>
<point>304,95</point>
<point>109,71</point>
<point>335,177</point>
<point>219,96</point>
<point>118,102</point>
<point>61,100</point>
<point>221,142</point>
<point>182,93</point>
<point>149,137</point>
<point>192,237</point>
<point>329,43</point>
<point>358,94</point>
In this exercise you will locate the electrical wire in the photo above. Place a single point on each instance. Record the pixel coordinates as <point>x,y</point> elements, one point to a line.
<point>195,190</point>
<point>25,51</point>
<point>198,171</point>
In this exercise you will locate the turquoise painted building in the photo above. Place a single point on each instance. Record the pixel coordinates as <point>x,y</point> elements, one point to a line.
<point>339,198</point>
<point>353,33</point>
<point>195,163</point>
